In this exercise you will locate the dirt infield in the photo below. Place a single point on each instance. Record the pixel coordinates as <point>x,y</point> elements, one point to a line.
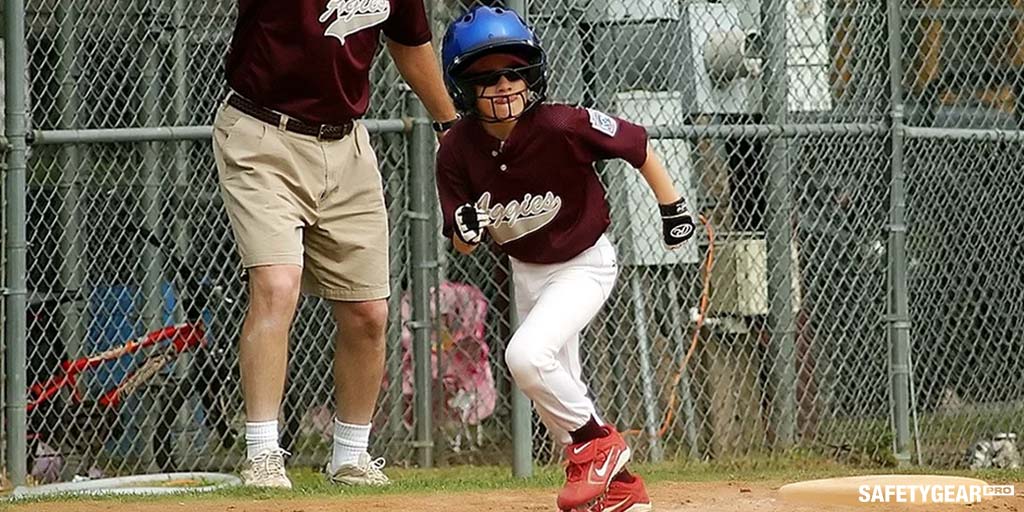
<point>667,497</point>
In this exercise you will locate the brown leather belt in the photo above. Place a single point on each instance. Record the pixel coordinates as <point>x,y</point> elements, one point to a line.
<point>320,131</point>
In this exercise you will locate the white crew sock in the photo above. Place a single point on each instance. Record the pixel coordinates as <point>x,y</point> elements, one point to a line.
<point>350,441</point>
<point>260,436</point>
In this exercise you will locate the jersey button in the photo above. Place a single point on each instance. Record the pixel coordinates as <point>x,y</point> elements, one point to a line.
<point>503,167</point>
<point>494,153</point>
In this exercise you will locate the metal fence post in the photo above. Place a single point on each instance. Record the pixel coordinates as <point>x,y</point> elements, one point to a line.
<point>72,326</point>
<point>782,353</point>
<point>898,300</point>
<point>180,231</point>
<point>421,163</point>
<point>155,405</point>
<point>646,370</point>
<point>15,404</point>
<point>183,117</point>
<point>149,173</point>
<point>686,399</point>
<point>522,413</point>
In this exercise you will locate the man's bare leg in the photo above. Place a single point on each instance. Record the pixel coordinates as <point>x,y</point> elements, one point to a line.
<point>263,358</point>
<point>358,370</point>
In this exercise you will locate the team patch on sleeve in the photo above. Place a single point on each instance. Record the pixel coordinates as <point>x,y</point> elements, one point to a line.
<point>603,123</point>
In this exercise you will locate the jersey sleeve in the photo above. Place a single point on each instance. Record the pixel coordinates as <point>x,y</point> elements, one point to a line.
<point>598,136</point>
<point>452,185</point>
<point>407,25</point>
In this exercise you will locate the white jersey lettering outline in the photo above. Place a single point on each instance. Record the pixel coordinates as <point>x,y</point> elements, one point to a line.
<point>518,218</point>
<point>351,16</point>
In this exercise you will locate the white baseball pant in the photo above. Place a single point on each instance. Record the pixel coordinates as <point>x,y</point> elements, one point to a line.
<point>555,302</point>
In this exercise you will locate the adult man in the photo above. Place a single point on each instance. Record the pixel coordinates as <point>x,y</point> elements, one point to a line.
<point>301,187</point>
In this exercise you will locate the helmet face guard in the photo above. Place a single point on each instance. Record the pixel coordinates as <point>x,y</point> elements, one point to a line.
<point>531,74</point>
<point>485,31</point>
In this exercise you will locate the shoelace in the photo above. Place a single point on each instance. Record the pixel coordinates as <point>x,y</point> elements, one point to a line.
<point>574,471</point>
<point>269,463</point>
<point>374,469</point>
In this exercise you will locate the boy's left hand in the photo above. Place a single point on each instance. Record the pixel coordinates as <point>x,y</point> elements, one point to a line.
<point>676,223</point>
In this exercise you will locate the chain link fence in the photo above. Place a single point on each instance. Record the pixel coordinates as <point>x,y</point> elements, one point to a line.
<point>800,129</point>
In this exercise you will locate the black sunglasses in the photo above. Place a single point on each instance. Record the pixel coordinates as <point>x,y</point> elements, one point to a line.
<point>492,78</point>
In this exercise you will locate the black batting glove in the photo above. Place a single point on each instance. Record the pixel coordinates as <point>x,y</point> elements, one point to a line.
<point>470,222</point>
<point>676,223</point>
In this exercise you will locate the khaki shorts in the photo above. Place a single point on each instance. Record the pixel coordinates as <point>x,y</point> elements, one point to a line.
<point>296,200</point>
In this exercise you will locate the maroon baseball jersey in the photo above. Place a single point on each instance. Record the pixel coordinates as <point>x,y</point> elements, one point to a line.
<point>310,59</point>
<point>540,187</point>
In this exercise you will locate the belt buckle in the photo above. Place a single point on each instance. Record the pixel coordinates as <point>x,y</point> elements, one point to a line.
<point>320,132</point>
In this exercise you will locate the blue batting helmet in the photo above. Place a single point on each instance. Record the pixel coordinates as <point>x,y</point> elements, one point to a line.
<point>482,31</point>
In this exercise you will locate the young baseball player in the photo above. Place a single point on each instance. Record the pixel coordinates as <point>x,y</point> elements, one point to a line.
<point>524,171</point>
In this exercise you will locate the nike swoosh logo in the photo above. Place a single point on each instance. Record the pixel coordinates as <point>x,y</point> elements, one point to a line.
<point>578,450</point>
<point>603,470</point>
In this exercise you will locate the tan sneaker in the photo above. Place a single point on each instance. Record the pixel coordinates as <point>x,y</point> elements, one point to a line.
<point>266,469</point>
<point>363,472</point>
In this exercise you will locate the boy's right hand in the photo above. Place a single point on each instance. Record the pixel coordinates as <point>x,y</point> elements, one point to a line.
<point>470,222</point>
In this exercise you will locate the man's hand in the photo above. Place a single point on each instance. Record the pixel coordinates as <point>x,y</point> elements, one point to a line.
<point>470,222</point>
<point>676,223</point>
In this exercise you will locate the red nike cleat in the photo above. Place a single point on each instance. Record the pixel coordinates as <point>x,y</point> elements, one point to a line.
<point>590,468</point>
<point>625,497</point>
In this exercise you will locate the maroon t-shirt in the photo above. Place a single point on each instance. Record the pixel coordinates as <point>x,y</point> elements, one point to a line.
<point>310,59</point>
<point>544,197</point>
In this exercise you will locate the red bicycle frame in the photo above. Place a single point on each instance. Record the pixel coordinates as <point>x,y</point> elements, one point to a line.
<point>183,337</point>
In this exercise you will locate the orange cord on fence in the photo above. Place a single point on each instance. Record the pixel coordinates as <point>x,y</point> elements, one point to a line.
<point>709,261</point>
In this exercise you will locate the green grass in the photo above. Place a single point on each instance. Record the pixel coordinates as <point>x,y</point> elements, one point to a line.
<point>945,436</point>
<point>794,467</point>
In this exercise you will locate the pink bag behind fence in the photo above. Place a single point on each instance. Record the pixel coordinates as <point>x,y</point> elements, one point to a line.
<point>462,357</point>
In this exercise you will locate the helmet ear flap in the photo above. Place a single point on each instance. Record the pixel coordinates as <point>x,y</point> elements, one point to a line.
<point>462,94</point>
<point>463,97</point>
<point>454,91</point>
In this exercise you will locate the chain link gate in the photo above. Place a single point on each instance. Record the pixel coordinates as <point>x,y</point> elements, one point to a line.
<point>791,125</point>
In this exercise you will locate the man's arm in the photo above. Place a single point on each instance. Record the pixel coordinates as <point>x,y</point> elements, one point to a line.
<point>419,67</point>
